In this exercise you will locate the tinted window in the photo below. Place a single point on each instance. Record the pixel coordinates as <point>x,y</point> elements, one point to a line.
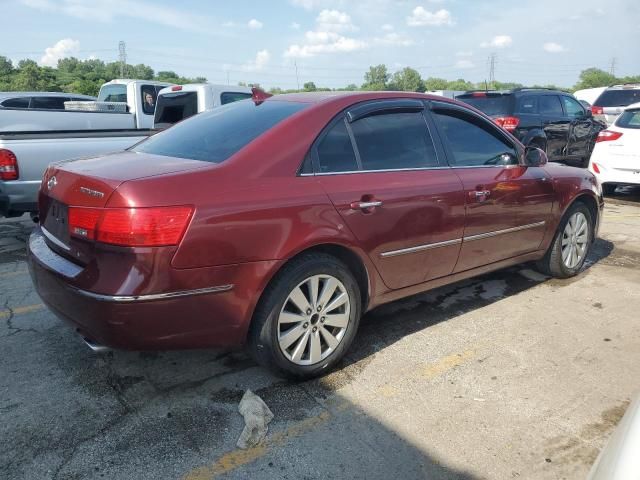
<point>629,119</point>
<point>473,143</point>
<point>173,107</point>
<point>335,151</point>
<point>618,98</point>
<point>488,103</point>
<point>149,96</point>
<point>215,135</point>
<point>394,140</point>
<point>22,102</point>
<point>527,104</point>
<point>49,103</point>
<point>550,105</point>
<point>113,93</point>
<point>572,107</point>
<point>229,97</point>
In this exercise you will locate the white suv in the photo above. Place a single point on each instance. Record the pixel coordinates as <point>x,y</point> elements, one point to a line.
<point>612,101</point>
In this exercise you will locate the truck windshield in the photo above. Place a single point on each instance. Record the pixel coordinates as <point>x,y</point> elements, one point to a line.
<point>173,107</point>
<point>215,135</point>
<point>113,93</point>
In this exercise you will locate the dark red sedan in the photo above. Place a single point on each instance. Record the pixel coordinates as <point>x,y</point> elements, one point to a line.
<point>279,222</point>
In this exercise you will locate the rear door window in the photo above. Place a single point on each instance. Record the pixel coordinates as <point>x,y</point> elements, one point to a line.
<point>173,107</point>
<point>335,150</point>
<point>392,141</point>
<point>550,105</point>
<point>229,97</point>
<point>215,135</point>
<point>48,103</point>
<point>20,102</point>
<point>474,142</point>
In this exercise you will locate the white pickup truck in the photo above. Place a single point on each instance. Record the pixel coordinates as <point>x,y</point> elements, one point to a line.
<point>121,105</point>
<point>42,137</point>
<point>182,101</point>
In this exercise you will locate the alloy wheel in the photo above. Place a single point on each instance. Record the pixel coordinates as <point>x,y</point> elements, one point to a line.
<point>575,239</point>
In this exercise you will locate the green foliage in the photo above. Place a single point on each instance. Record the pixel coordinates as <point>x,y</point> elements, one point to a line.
<point>407,80</point>
<point>376,78</point>
<point>594,77</point>
<point>310,87</point>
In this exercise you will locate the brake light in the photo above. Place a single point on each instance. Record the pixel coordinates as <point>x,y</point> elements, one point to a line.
<point>478,94</point>
<point>595,167</point>
<point>607,136</point>
<point>508,123</point>
<point>596,110</point>
<point>258,95</point>
<point>131,227</point>
<point>176,88</point>
<point>8,165</point>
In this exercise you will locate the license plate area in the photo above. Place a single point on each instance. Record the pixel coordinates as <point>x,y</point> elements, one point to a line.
<point>56,222</point>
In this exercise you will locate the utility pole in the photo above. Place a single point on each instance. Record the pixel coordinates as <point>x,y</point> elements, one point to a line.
<point>122,47</point>
<point>228,78</point>
<point>295,64</point>
<point>612,67</point>
<point>492,69</point>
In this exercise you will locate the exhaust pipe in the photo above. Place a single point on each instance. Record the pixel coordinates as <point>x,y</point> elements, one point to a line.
<point>96,347</point>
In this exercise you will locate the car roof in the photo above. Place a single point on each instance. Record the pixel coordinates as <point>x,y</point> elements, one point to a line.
<point>325,97</point>
<point>518,90</point>
<point>626,86</point>
<point>4,95</point>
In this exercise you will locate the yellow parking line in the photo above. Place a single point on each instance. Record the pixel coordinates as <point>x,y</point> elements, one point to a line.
<point>21,310</point>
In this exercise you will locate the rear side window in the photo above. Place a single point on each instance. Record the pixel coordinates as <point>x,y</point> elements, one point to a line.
<point>629,119</point>
<point>229,97</point>
<point>527,104</point>
<point>21,102</point>
<point>173,107</point>
<point>335,151</point>
<point>394,141</point>
<point>550,105</point>
<point>48,103</point>
<point>472,143</point>
<point>618,98</point>
<point>217,134</point>
<point>488,103</point>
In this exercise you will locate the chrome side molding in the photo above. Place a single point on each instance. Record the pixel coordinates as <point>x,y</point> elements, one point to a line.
<point>481,236</point>
<point>153,296</point>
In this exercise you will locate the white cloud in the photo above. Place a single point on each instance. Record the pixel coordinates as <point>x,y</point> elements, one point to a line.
<point>420,17</point>
<point>387,27</point>
<point>63,48</point>
<point>262,60</point>
<point>295,26</point>
<point>553,47</point>
<point>254,24</point>
<point>464,63</point>
<point>334,21</point>
<point>499,41</point>
<point>394,39</point>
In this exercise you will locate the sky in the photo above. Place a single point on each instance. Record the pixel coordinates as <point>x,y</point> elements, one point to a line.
<point>333,42</point>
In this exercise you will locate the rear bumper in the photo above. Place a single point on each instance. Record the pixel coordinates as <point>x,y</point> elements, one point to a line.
<point>217,315</point>
<point>17,197</point>
<point>626,176</point>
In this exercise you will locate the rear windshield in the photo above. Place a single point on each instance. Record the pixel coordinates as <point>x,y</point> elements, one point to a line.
<point>215,135</point>
<point>489,104</point>
<point>629,119</point>
<point>113,93</point>
<point>618,98</point>
<point>173,107</point>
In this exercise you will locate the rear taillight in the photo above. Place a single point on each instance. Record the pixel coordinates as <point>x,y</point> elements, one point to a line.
<point>596,110</point>
<point>131,227</point>
<point>607,136</point>
<point>8,165</point>
<point>508,123</point>
<point>595,167</point>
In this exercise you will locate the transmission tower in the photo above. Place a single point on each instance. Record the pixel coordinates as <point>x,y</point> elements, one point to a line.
<point>492,69</point>
<point>612,66</point>
<point>122,47</point>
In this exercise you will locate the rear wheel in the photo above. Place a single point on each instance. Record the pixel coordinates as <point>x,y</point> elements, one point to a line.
<point>570,246</point>
<point>307,318</point>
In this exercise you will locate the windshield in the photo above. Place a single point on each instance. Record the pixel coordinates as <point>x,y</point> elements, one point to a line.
<point>618,98</point>
<point>489,104</point>
<point>113,93</point>
<point>215,135</point>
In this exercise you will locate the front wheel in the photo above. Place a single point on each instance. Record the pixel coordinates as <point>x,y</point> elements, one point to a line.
<point>570,246</point>
<point>307,317</point>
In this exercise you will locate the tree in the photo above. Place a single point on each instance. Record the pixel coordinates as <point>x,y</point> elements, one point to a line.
<point>460,84</point>
<point>309,87</point>
<point>594,77</point>
<point>433,83</point>
<point>407,80</point>
<point>376,78</point>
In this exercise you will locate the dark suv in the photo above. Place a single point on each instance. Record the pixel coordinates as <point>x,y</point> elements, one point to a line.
<point>549,119</point>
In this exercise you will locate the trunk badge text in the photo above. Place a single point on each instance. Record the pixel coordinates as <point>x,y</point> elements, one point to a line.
<point>53,181</point>
<point>93,193</point>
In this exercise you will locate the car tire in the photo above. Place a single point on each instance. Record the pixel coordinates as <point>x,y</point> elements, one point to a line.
<point>609,188</point>
<point>312,352</point>
<point>567,253</point>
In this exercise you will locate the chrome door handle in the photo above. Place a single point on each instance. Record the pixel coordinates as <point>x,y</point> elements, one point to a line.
<point>365,205</point>
<point>482,193</point>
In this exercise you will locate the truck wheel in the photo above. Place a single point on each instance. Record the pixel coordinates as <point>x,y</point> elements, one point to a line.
<point>571,244</point>
<point>307,317</point>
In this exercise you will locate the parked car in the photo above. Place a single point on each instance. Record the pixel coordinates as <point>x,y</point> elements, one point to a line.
<point>548,119</point>
<point>616,156</point>
<point>589,95</point>
<point>40,100</point>
<point>279,222</point>
<point>619,459</point>
<point>613,100</point>
<point>121,105</point>
<point>182,101</point>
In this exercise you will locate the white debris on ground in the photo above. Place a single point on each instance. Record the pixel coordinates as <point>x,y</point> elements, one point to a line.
<point>533,275</point>
<point>257,416</point>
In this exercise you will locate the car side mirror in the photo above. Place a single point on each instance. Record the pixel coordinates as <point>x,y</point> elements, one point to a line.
<point>534,157</point>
